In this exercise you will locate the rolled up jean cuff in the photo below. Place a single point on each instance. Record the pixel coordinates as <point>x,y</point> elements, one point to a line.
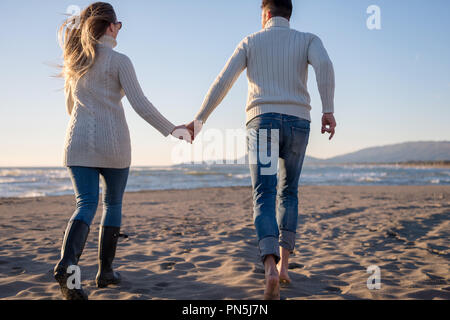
<point>287,240</point>
<point>268,246</point>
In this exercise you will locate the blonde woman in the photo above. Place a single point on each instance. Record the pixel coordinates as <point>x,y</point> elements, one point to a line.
<point>97,140</point>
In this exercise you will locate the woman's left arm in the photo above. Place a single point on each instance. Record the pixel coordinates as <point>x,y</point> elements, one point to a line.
<point>139,102</point>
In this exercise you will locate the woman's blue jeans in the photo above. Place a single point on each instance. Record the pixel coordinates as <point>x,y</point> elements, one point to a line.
<point>277,145</point>
<point>86,186</point>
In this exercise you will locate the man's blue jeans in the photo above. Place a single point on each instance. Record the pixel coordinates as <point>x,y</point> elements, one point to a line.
<point>276,139</point>
<point>86,186</point>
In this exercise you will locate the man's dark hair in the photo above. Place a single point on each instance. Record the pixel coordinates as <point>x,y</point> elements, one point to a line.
<point>281,8</point>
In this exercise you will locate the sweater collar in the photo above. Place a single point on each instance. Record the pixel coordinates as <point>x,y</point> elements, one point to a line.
<point>107,41</point>
<point>278,22</point>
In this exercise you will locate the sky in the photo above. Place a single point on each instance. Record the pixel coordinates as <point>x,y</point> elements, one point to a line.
<point>392,84</point>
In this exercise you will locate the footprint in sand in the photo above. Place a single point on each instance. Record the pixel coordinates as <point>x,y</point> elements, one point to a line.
<point>141,291</point>
<point>243,268</point>
<point>162,284</point>
<point>201,258</point>
<point>17,270</point>
<point>434,279</point>
<point>176,263</point>
<point>157,288</point>
<point>210,264</point>
<point>333,289</point>
<point>294,265</point>
<point>167,265</point>
<point>259,270</point>
<point>184,266</point>
<point>174,259</point>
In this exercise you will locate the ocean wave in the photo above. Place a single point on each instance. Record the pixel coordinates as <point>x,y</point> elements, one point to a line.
<point>6,180</point>
<point>38,182</point>
<point>368,179</point>
<point>203,173</point>
<point>242,176</point>
<point>11,173</point>
<point>33,194</point>
<point>50,173</point>
<point>16,181</point>
<point>137,169</point>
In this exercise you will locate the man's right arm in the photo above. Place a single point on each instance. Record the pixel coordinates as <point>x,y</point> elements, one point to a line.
<point>231,72</point>
<point>321,62</point>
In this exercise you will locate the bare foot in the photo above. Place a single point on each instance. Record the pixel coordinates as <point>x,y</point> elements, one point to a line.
<point>272,287</point>
<point>283,266</point>
<point>284,275</point>
<point>272,291</point>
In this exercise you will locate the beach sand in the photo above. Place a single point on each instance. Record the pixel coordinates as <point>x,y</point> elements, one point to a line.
<point>201,244</point>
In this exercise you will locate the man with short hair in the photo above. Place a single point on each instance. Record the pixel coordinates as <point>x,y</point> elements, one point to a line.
<point>276,59</point>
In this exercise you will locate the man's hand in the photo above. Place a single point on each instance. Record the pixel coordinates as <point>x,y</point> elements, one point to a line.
<point>195,127</point>
<point>328,124</point>
<point>183,133</point>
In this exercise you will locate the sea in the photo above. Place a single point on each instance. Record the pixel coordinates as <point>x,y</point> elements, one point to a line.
<point>40,182</point>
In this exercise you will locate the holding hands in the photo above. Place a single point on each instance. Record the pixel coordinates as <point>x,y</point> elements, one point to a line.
<point>195,127</point>
<point>188,132</point>
<point>183,133</point>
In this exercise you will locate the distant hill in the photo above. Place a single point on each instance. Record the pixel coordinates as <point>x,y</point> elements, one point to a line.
<point>402,152</point>
<point>309,159</point>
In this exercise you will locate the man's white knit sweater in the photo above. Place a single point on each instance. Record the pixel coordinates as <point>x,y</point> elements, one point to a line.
<point>277,60</point>
<point>97,134</point>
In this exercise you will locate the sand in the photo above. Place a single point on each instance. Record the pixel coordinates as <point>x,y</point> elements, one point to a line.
<point>201,244</point>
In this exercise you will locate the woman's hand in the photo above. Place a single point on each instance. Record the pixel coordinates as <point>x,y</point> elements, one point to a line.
<point>183,133</point>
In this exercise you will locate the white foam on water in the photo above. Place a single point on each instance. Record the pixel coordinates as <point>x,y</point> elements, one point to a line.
<point>38,182</point>
<point>242,176</point>
<point>32,194</point>
<point>368,179</point>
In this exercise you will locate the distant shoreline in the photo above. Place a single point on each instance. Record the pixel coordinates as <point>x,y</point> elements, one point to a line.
<point>430,164</point>
<point>433,164</point>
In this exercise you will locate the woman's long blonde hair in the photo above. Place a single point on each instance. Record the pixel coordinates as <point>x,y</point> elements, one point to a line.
<point>78,37</point>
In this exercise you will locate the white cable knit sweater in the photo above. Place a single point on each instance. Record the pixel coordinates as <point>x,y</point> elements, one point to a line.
<point>97,134</point>
<point>276,59</point>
